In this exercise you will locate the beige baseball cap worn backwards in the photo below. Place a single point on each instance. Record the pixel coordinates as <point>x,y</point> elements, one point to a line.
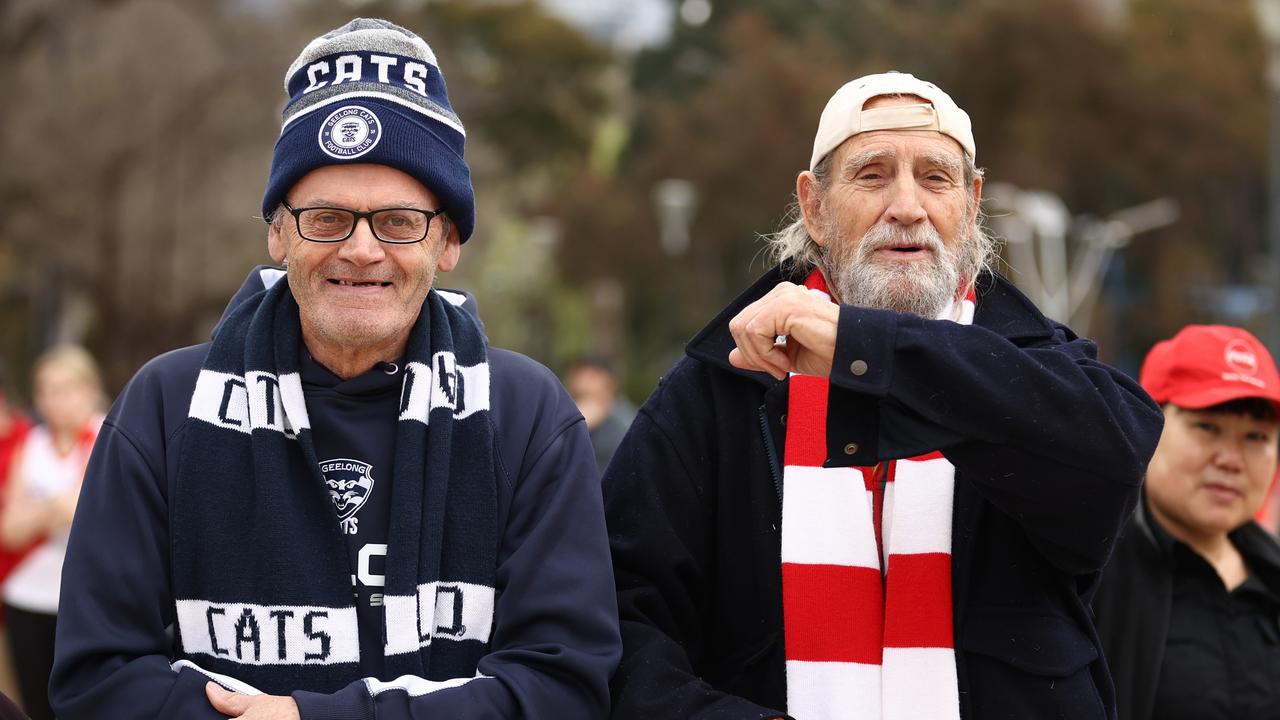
<point>844,117</point>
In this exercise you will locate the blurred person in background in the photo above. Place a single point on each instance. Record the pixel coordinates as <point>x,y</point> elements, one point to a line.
<point>348,505</point>
<point>39,503</point>
<point>1189,605</point>
<point>594,388</point>
<point>14,425</point>
<point>881,481</point>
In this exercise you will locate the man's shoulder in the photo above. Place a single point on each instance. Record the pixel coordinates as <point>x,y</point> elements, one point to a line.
<point>164,383</point>
<point>690,373</point>
<point>528,405</point>
<point>694,396</point>
<point>170,373</point>
<point>1003,309</point>
<point>524,390</point>
<point>181,361</point>
<point>521,375</point>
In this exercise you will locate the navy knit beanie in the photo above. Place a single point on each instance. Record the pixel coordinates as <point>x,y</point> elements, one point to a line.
<point>371,92</point>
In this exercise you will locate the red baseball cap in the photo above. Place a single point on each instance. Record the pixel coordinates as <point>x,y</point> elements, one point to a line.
<point>1207,365</point>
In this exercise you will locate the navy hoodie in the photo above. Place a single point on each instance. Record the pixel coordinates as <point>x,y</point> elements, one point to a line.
<point>555,640</point>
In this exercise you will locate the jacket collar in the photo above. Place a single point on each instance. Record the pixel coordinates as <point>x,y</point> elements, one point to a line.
<point>1001,309</point>
<point>1260,549</point>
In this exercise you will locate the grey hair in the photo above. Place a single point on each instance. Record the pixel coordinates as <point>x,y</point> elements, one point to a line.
<point>793,246</point>
<point>277,216</point>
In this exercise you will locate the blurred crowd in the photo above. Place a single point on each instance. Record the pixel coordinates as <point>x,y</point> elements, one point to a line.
<point>43,454</point>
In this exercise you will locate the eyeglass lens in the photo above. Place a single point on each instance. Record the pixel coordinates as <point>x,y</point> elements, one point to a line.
<point>394,225</point>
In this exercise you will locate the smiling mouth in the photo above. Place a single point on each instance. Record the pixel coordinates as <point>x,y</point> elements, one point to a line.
<point>359,283</point>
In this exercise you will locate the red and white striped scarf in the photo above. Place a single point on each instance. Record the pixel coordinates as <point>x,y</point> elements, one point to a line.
<point>862,644</point>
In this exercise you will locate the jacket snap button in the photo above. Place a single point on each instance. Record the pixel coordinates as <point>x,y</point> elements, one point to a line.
<point>851,448</point>
<point>783,419</point>
<point>858,367</point>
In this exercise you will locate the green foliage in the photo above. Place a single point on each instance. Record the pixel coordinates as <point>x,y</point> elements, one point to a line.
<point>1171,102</point>
<point>137,204</point>
<point>155,121</point>
<point>527,82</point>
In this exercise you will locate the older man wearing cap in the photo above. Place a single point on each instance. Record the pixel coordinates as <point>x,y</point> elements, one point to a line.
<point>881,482</point>
<point>347,505</point>
<point>1188,606</point>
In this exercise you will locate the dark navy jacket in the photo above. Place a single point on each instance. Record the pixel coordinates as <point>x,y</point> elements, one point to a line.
<point>555,638</point>
<point>1049,446</point>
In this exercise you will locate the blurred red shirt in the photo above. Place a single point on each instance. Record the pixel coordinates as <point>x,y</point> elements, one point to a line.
<point>10,441</point>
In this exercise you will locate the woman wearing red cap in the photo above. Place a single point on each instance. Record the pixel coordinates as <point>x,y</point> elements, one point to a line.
<point>1188,607</point>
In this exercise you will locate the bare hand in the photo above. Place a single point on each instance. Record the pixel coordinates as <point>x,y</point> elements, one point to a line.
<point>251,707</point>
<point>808,321</point>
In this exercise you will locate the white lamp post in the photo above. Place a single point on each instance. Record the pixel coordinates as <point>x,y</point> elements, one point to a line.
<point>676,200</point>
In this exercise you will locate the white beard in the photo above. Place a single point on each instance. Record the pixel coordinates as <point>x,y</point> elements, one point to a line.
<point>860,277</point>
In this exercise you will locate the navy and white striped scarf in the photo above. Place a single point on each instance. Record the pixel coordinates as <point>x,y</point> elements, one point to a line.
<point>261,572</point>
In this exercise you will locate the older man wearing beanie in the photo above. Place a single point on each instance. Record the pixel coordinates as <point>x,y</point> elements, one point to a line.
<point>1188,606</point>
<point>881,483</point>
<point>347,505</point>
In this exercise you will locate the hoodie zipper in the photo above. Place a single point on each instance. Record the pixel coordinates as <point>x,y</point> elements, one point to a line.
<point>772,453</point>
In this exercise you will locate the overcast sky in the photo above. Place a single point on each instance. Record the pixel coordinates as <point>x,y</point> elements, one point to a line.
<point>623,24</point>
<point>627,24</point>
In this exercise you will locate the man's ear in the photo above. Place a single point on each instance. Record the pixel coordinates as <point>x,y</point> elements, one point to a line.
<point>809,196</point>
<point>977,200</point>
<point>277,243</point>
<point>452,249</point>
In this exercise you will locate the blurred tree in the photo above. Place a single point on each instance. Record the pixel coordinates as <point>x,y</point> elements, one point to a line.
<point>532,91</point>
<point>1105,109</point>
<point>139,134</point>
<point>123,145</point>
<point>737,139</point>
<point>1169,101</point>
<point>530,84</point>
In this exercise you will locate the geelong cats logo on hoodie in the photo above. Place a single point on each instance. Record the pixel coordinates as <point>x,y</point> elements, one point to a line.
<point>350,482</point>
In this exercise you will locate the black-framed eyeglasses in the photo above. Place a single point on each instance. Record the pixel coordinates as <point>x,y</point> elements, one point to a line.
<point>398,226</point>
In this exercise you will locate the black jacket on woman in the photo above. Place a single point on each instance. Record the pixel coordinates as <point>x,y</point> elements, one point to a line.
<point>1134,605</point>
<point>1049,446</point>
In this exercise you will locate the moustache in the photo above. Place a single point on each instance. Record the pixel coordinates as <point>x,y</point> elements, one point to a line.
<point>885,236</point>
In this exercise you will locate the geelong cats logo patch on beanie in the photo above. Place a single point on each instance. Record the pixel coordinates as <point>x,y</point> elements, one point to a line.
<point>350,482</point>
<point>350,132</point>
